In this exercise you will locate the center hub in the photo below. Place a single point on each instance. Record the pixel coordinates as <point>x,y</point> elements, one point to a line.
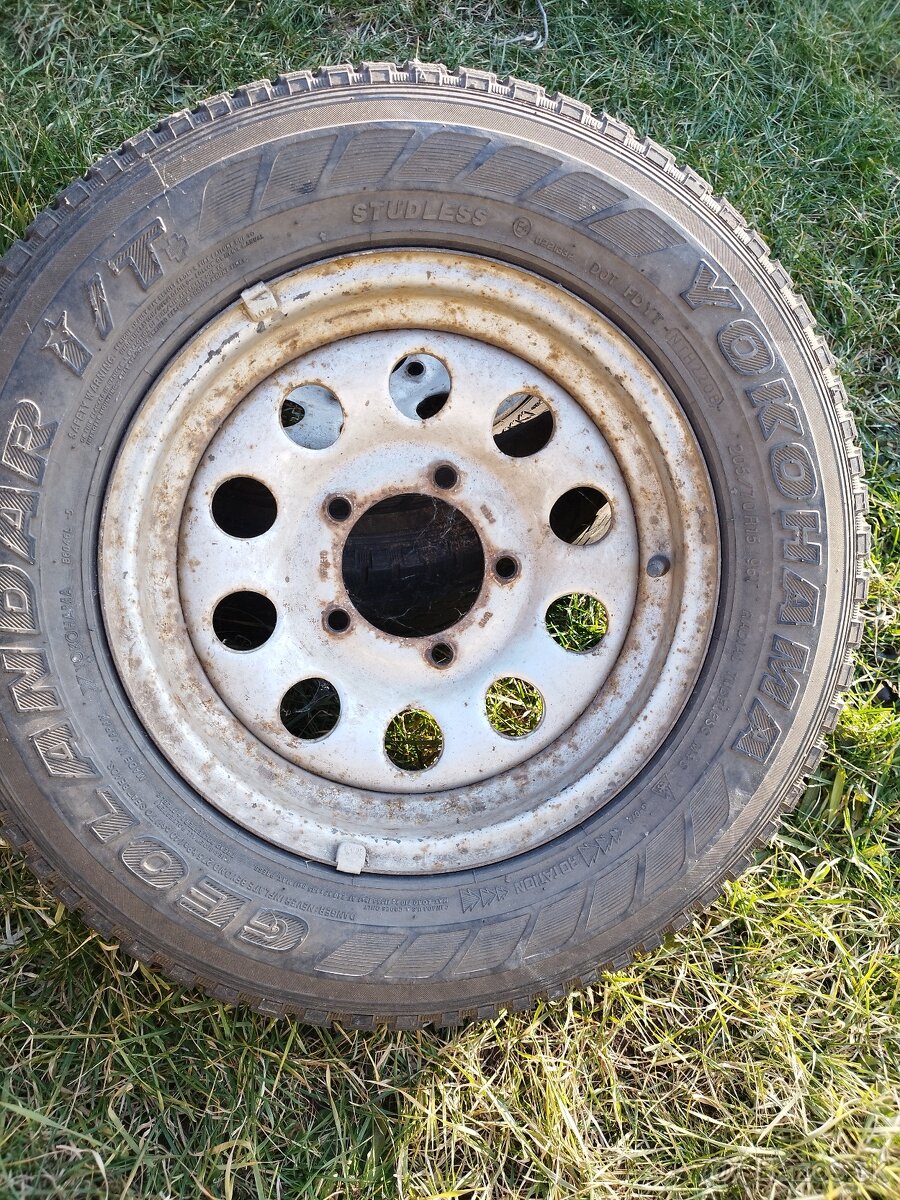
<point>413,565</point>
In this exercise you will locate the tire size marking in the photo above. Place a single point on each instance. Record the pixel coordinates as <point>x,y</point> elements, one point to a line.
<point>747,351</point>
<point>717,703</point>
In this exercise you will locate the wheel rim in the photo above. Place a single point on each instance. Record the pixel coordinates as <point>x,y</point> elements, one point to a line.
<point>266,527</point>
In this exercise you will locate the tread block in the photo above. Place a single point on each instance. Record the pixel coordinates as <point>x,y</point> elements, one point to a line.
<point>556,924</point>
<point>636,232</point>
<point>493,945</point>
<point>228,197</point>
<point>442,156</point>
<point>512,170</point>
<point>709,806</point>
<point>370,155</point>
<point>665,857</point>
<point>361,954</point>
<point>295,171</point>
<point>613,896</point>
<point>427,955</point>
<point>578,195</point>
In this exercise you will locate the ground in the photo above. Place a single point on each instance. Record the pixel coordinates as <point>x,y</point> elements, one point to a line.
<point>756,1054</point>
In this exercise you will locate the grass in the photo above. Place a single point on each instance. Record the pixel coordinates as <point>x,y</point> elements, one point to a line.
<point>413,740</point>
<point>755,1054</point>
<point>577,622</point>
<point>514,707</point>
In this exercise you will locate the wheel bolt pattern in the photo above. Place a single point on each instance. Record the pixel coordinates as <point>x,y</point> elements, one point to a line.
<point>522,426</point>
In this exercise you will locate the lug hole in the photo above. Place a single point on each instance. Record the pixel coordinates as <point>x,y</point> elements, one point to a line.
<point>339,508</point>
<point>337,620</point>
<point>577,622</point>
<point>244,620</point>
<point>514,707</point>
<point>310,709</point>
<point>523,425</point>
<point>244,507</point>
<point>441,654</point>
<point>445,476</point>
<point>413,740</point>
<point>506,568</point>
<point>581,516</point>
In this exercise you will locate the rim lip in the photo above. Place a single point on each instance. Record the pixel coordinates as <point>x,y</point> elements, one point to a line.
<point>566,782</point>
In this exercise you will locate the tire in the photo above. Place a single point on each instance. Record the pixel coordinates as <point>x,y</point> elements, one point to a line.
<point>536,241</point>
